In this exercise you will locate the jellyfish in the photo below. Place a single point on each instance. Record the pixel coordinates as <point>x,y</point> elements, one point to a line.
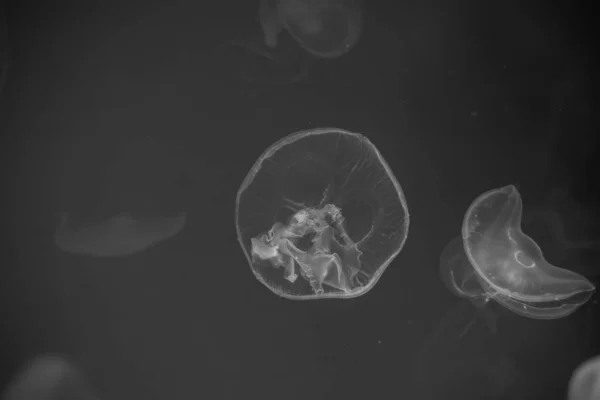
<point>121,235</point>
<point>323,28</point>
<point>511,266</point>
<point>585,381</point>
<point>48,377</point>
<point>320,214</point>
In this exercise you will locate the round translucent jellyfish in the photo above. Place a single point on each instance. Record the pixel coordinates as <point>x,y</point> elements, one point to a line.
<point>324,205</point>
<point>324,28</point>
<point>585,381</point>
<point>511,265</point>
<point>462,280</point>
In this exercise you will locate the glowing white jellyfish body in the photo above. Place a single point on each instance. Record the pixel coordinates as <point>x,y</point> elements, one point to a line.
<point>510,266</point>
<point>324,28</point>
<point>121,235</point>
<point>320,214</point>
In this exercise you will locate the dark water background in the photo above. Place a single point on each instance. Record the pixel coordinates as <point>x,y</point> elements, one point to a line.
<point>458,96</point>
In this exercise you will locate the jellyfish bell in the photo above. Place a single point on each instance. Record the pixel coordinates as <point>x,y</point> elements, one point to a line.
<point>511,264</point>
<point>316,177</point>
<point>324,28</point>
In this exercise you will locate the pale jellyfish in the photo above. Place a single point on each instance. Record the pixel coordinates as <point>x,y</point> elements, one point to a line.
<point>585,381</point>
<point>324,28</point>
<point>321,215</point>
<point>121,235</point>
<point>49,377</point>
<point>510,265</point>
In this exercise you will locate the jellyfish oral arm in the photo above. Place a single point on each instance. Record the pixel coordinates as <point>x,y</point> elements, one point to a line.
<point>262,249</point>
<point>278,246</point>
<point>270,245</point>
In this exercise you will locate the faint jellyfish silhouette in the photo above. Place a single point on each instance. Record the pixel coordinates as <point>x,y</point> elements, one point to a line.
<point>49,377</point>
<point>511,266</point>
<point>585,381</point>
<point>323,28</point>
<point>461,279</point>
<point>138,186</point>
<point>120,236</point>
<point>322,204</point>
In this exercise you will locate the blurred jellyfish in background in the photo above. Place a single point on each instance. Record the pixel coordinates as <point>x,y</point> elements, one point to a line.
<point>585,381</point>
<point>324,28</point>
<point>294,35</point>
<point>49,377</point>
<point>121,235</point>
<point>128,198</point>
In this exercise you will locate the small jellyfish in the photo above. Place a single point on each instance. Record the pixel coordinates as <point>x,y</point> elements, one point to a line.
<point>49,377</point>
<point>324,28</point>
<point>585,381</point>
<point>511,265</point>
<point>324,206</point>
<point>121,235</point>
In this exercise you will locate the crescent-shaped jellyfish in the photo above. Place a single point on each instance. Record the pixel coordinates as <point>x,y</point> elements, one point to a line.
<point>49,377</point>
<point>324,28</point>
<point>121,235</point>
<point>321,205</point>
<point>511,266</point>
